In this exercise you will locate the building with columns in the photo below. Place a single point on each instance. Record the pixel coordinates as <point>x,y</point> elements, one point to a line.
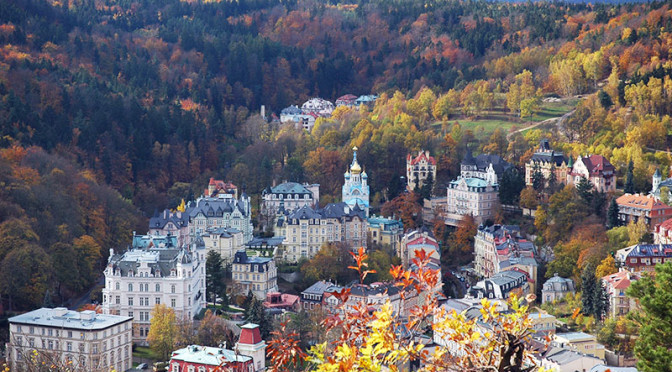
<point>355,189</point>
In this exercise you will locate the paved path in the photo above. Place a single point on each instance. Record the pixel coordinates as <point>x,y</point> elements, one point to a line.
<point>559,122</point>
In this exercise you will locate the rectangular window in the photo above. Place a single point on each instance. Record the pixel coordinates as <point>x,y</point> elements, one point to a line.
<point>172,302</point>
<point>130,301</point>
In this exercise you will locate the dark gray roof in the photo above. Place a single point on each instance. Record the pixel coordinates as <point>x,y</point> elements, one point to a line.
<point>160,260</point>
<point>304,213</point>
<point>291,110</point>
<point>556,158</point>
<point>159,221</point>
<point>498,164</point>
<point>225,232</point>
<point>319,288</point>
<point>216,207</point>
<point>364,290</point>
<point>288,188</point>
<point>241,257</point>
<point>331,210</point>
<point>265,242</point>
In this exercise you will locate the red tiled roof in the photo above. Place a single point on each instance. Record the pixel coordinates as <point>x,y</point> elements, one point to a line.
<point>597,164</point>
<point>666,225</point>
<point>423,240</point>
<point>420,157</point>
<point>250,335</point>
<point>347,97</point>
<point>641,202</point>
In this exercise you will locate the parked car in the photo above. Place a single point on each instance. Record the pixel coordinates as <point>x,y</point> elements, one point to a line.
<point>142,366</point>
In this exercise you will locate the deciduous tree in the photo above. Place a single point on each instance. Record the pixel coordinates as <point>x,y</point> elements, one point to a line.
<point>162,331</point>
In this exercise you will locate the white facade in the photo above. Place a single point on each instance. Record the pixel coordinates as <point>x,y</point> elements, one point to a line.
<point>289,195</point>
<point>139,279</point>
<point>318,106</point>
<point>89,341</point>
<point>471,196</point>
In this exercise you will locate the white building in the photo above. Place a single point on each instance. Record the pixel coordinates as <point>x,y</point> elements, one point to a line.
<point>90,341</point>
<point>471,196</point>
<point>556,288</point>
<point>251,344</point>
<point>290,195</point>
<point>139,279</point>
<point>225,241</point>
<point>318,106</point>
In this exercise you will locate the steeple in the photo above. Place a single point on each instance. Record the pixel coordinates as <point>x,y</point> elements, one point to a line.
<point>354,167</point>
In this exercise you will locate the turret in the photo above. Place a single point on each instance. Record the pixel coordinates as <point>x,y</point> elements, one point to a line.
<point>657,179</point>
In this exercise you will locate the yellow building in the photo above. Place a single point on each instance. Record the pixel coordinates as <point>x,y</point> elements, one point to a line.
<point>582,342</point>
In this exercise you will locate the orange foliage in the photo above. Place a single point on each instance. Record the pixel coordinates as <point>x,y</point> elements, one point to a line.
<point>28,175</point>
<point>13,154</point>
<point>91,307</point>
<point>7,29</point>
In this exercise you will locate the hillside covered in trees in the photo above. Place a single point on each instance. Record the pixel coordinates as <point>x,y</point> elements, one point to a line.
<point>156,96</point>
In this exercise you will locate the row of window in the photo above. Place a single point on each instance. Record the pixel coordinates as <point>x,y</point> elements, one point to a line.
<point>51,332</point>
<point>69,346</point>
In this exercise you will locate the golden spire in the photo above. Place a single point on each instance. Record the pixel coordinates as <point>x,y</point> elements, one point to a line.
<point>355,168</point>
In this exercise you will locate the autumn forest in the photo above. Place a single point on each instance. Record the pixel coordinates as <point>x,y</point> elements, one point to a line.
<point>111,110</point>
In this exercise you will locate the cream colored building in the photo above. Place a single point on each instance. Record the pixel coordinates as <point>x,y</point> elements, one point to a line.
<point>385,231</point>
<point>225,241</point>
<point>581,342</point>
<point>419,168</point>
<point>595,168</point>
<point>256,274</point>
<point>306,230</point>
<point>89,341</point>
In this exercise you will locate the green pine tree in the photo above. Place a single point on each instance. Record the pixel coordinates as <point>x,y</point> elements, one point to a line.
<point>653,347</point>
<point>589,286</point>
<point>629,187</point>
<point>214,278</point>
<point>612,214</point>
<point>538,180</point>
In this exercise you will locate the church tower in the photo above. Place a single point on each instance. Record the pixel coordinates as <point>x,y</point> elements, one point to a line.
<point>355,188</point>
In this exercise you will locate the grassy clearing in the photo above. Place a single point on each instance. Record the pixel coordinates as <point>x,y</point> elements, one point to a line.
<point>144,352</point>
<point>497,118</point>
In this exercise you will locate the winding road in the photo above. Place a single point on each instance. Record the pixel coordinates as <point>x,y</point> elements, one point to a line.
<point>559,123</point>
